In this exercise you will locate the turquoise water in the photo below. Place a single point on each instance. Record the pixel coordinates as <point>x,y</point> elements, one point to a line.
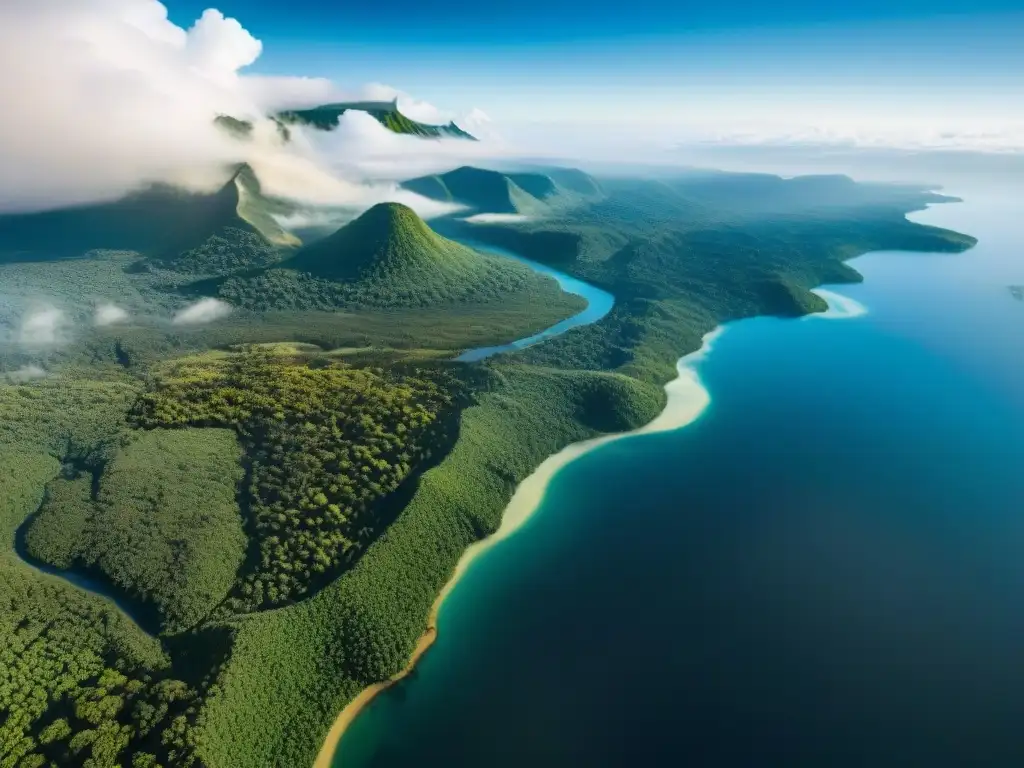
<point>599,304</point>
<point>825,569</point>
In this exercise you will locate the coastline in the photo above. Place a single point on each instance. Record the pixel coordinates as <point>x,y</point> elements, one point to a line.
<point>687,399</point>
<point>840,307</point>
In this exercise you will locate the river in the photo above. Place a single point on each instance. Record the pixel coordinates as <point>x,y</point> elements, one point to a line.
<point>599,304</point>
<point>823,569</point>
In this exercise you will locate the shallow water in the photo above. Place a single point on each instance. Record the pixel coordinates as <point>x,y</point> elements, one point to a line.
<point>826,568</point>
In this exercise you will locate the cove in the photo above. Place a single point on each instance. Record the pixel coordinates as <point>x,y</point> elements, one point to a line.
<point>823,569</point>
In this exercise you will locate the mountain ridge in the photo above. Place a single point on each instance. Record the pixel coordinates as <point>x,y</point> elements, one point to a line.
<point>489,191</point>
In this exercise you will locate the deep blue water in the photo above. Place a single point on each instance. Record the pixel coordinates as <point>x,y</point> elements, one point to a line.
<point>825,569</point>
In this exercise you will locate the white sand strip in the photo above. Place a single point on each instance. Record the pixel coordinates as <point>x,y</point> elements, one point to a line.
<point>839,307</point>
<point>687,400</point>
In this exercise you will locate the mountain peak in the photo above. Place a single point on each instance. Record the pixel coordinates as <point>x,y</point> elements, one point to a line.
<point>386,237</point>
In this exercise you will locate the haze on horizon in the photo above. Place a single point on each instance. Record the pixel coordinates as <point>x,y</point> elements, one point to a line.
<point>140,81</point>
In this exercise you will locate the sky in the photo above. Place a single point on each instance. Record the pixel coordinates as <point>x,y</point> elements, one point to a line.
<point>102,96</point>
<point>941,71</point>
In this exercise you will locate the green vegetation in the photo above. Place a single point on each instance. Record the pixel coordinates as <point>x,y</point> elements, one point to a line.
<point>680,261</point>
<point>387,258</point>
<point>488,191</point>
<point>279,496</point>
<point>80,683</point>
<point>229,251</point>
<point>241,129</point>
<point>161,523</point>
<point>326,117</point>
<point>362,627</point>
<point>325,446</point>
<point>160,222</point>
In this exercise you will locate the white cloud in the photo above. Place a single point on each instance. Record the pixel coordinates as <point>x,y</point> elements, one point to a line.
<point>25,374</point>
<point>41,328</point>
<point>498,218</point>
<point>218,47</point>
<point>478,123</point>
<point>413,108</point>
<point>203,311</point>
<point>360,147</point>
<point>333,217</point>
<point>107,95</point>
<point>108,314</point>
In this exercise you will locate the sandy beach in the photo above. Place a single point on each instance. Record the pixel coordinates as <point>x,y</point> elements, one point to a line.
<point>839,307</point>
<point>687,399</point>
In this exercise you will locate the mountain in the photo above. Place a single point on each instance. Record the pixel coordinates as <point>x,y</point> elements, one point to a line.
<point>161,221</point>
<point>326,116</point>
<point>568,179</point>
<point>760,194</point>
<point>489,191</point>
<point>388,241</point>
<point>388,257</point>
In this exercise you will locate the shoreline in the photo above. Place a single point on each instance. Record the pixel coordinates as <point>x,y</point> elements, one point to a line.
<point>687,400</point>
<point>840,307</point>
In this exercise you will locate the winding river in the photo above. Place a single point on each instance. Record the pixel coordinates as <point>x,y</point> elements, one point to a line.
<point>599,304</point>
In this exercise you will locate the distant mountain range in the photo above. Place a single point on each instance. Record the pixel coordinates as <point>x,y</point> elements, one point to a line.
<point>327,116</point>
<point>230,244</point>
<point>506,193</point>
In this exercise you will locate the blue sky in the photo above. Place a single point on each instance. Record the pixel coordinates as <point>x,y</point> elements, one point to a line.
<point>942,63</point>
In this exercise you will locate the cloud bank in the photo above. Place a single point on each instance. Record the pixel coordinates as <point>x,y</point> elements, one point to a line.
<point>109,95</point>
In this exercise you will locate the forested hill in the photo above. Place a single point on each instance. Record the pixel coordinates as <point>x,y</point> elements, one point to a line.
<point>326,117</point>
<point>388,241</point>
<point>159,221</point>
<point>387,113</point>
<point>489,191</point>
<point>388,258</point>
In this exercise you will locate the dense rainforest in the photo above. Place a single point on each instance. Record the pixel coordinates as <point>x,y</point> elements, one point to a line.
<point>217,534</point>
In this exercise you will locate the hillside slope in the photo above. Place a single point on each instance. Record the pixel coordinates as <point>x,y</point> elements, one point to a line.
<point>488,191</point>
<point>386,258</point>
<point>326,116</point>
<point>161,221</point>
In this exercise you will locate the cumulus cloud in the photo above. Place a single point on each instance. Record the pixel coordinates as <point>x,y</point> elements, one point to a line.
<point>108,95</point>
<point>42,328</point>
<point>203,311</point>
<point>108,314</point>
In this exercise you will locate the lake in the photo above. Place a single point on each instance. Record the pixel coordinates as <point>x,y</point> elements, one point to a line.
<point>825,568</point>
